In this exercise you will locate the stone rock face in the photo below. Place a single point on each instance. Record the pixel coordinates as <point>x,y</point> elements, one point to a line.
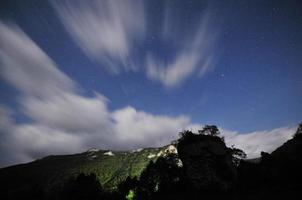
<point>207,163</point>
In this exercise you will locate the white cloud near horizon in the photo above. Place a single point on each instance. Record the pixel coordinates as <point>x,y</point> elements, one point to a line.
<point>64,121</point>
<point>255,142</point>
<point>110,31</point>
<point>135,128</point>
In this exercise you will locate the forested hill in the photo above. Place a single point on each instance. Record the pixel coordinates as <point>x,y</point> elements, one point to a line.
<point>110,168</point>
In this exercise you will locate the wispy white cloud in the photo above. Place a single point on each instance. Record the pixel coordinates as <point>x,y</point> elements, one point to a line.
<point>109,32</point>
<point>68,111</point>
<point>27,67</point>
<point>105,30</point>
<point>174,73</point>
<point>196,53</point>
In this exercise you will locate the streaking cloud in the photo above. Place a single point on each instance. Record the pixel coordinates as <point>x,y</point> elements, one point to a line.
<point>106,31</point>
<point>27,67</point>
<point>111,32</point>
<point>195,52</point>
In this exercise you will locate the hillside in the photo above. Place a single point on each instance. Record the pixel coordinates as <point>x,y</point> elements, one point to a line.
<point>49,173</point>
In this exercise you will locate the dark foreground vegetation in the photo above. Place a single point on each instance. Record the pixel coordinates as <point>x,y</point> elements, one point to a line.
<point>203,168</point>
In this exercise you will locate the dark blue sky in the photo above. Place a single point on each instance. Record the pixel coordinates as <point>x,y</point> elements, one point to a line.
<point>254,81</point>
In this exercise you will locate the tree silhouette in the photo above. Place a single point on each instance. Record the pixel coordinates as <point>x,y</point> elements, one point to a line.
<point>209,165</point>
<point>209,130</point>
<point>82,187</point>
<point>237,155</point>
<point>159,178</point>
<point>298,133</point>
<point>127,188</point>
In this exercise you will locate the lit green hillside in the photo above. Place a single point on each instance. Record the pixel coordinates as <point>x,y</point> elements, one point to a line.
<point>111,168</point>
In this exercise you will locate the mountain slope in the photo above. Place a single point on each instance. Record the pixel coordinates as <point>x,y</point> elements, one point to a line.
<point>50,173</point>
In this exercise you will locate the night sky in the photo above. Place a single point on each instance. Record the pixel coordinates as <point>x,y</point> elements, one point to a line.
<point>128,74</point>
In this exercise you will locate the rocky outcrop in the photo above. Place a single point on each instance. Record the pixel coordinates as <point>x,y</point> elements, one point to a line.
<point>207,163</point>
